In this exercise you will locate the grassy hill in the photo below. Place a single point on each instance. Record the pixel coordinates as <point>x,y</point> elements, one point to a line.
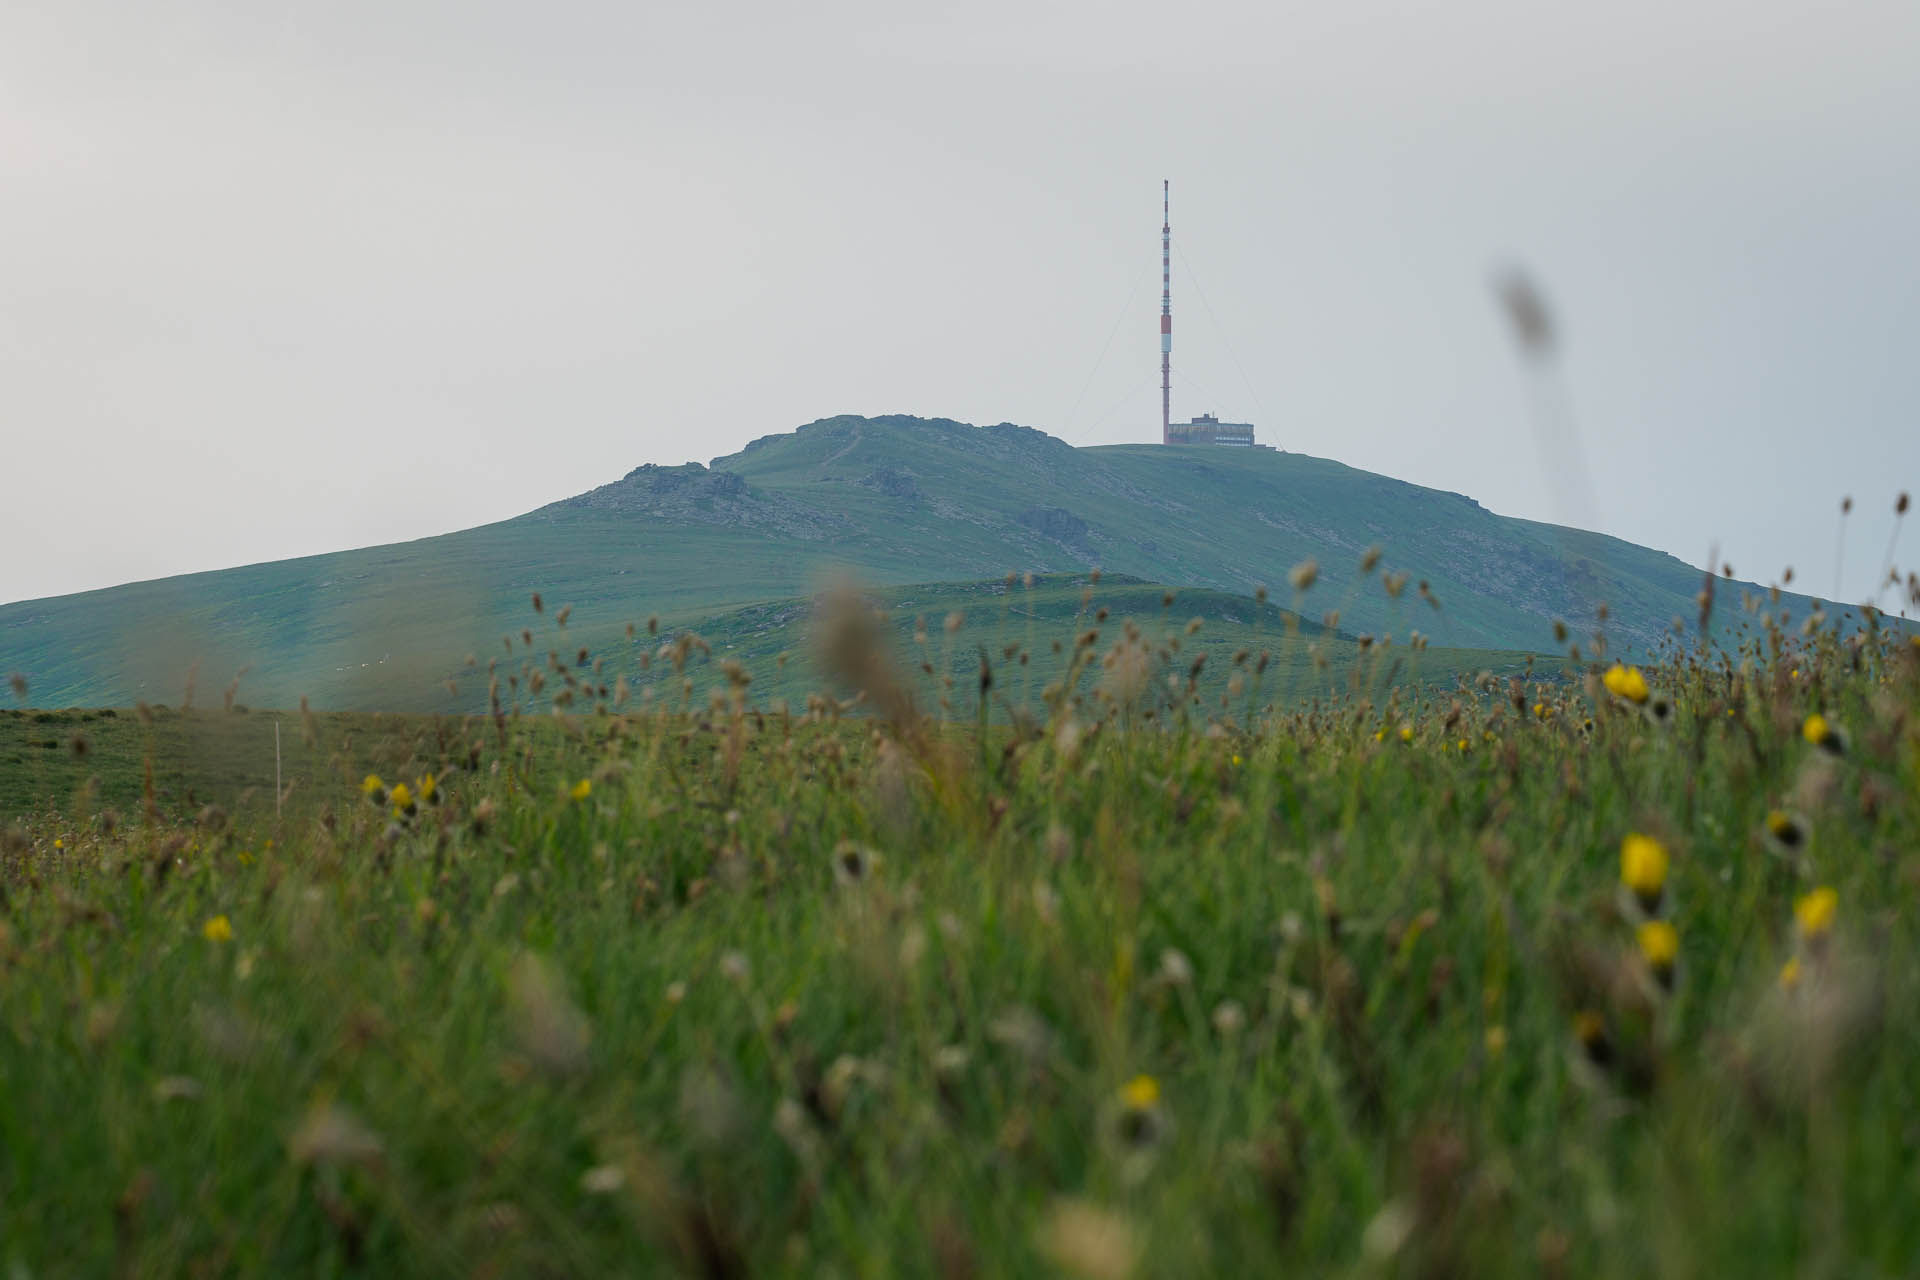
<point>895,500</point>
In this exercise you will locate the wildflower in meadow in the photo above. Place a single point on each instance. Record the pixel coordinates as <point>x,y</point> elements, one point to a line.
<point>373,789</point>
<point>581,789</point>
<point>1660,947</point>
<point>1790,973</point>
<point>1824,734</point>
<point>402,798</point>
<point>218,929</point>
<point>852,863</point>
<point>1626,683</point>
<point>1786,832</point>
<point>1643,869</point>
<point>429,789</point>
<point>1814,912</point>
<point>1139,1122</point>
<point>1590,1029</point>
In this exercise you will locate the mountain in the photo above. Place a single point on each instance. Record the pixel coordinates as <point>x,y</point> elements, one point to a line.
<point>895,500</point>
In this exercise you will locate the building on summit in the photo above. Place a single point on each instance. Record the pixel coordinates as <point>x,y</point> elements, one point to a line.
<point>1207,429</point>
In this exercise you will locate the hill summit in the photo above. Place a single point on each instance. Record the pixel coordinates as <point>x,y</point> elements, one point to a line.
<point>894,500</point>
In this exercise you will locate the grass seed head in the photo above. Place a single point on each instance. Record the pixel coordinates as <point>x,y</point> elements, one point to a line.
<point>1089,1242</point>
<point>548,1027</point>
<point>332,1135</point>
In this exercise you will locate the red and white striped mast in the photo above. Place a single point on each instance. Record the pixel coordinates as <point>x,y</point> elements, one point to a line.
<point>1166,316</point>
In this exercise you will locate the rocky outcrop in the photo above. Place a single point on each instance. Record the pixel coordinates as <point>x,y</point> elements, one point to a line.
<point>893,482</point>
<point>1054,522</point>
<point>695,494</point>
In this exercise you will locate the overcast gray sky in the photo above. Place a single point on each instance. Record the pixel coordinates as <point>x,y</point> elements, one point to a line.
<point>284,278</point>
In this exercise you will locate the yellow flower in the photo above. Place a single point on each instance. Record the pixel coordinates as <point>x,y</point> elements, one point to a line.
<point>1659,947</point>
<point>1626,682</point>
<point>58,843</point>
<point>402,798</point>
<point>371,784</point>
<point>1540,709</point>
<point>1142,1093</point>
<point>1815,911</point>
<point>1790,973</point>
<point>1786,830</point>
<point>1406,733</point>
<point>1236,761</point>
<point>1463,744</point>
<point>1643,868</point>
<point>429,789</point>
<point>1590,1029</point>
<point>218,929</point>
<point>582,789</point>
<point>1379,735</point>
<point>1823,734</point>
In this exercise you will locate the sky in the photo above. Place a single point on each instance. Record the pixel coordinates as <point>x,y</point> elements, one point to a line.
<point>282,278</point>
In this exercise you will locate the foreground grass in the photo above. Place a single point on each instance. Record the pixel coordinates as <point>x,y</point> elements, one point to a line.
<point>735,993</point>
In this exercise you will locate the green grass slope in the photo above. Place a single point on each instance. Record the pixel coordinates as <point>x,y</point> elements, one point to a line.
<point>1025,632</point>
<point>71,761</point>
<point>895,500</point>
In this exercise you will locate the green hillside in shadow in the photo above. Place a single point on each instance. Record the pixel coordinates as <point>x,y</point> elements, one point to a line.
<point>935,636</point>
<point>891,500</point>
<point>1024,632</point>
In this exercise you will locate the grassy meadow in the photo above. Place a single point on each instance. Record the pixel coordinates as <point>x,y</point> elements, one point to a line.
<point>1129,966</point>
